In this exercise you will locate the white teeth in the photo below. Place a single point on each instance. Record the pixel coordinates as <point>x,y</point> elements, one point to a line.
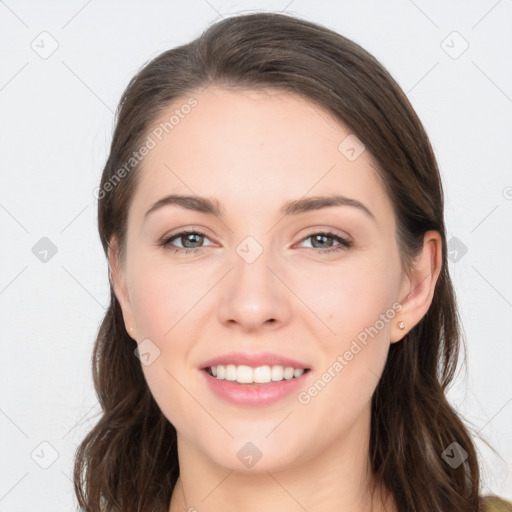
<point>260,375</point>
<point>288,373</point>
<point>230,372</point>
<point>277,373</point>
<point>244,374</point>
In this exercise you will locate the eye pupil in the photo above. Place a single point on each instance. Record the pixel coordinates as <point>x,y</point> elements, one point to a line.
<point>186,238</point>
<point>193,240</point>
<point>323,237</point>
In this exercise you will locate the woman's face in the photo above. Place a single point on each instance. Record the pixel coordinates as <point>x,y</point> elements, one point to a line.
<point>258,279</point>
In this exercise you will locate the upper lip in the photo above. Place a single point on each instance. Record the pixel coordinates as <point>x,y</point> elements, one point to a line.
<point>254,360</point>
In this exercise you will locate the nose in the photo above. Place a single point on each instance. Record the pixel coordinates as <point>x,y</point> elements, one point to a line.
<point>252,297</point>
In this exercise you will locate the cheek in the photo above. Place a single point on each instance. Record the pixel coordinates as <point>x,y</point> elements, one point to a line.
<point>163,304</point>
<point>163,301</point>
<point>166,303</point>
<point>357,306</point>
<point>350,297</point>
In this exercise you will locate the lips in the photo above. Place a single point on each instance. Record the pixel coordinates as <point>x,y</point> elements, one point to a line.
<point>254,360</point>
<point>255,395</point>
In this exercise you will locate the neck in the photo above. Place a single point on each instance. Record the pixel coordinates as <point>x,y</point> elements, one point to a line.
<point>337,479</point>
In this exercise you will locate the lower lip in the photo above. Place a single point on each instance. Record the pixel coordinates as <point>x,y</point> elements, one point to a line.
<point>254,395</point>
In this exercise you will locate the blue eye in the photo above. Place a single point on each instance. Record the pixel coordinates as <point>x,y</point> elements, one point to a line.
<point>187,237</point>
<point>321,238</point>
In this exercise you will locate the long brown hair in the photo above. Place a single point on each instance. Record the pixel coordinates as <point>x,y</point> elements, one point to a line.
<point>128,461</point>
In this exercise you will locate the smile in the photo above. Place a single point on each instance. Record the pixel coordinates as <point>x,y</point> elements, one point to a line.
<point>244,374</point>
<point>254,394</point>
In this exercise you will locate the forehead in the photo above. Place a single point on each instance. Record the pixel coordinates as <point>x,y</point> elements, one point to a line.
<point>254,147</point>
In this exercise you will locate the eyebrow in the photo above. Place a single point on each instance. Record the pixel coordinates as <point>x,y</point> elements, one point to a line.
<point>293,207</point>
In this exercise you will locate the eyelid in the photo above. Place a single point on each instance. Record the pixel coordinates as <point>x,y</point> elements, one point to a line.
<point>344,240</point>
<point>188,229</point>
<point>176,234</point>
<point>327,231</point>
<point>202,231</point>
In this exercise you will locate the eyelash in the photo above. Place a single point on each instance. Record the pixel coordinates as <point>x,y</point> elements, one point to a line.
<point>343,242</point>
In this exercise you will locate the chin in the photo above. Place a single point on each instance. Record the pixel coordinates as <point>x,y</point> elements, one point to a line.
<point>253,457</point>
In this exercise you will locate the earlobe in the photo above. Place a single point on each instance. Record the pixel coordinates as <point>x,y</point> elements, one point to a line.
<point>420,285</point>
<point>398,331</point>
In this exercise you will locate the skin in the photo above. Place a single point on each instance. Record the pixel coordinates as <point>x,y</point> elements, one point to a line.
<point>252,151</point>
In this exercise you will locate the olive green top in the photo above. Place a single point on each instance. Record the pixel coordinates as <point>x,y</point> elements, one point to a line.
<point>495,504</point>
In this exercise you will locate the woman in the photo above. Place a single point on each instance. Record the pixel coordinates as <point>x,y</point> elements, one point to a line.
<point>282,327</point>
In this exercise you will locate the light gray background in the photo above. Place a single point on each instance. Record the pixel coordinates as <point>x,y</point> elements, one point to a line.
<point>56,125</point>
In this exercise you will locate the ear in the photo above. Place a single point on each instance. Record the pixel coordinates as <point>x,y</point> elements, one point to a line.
<point>118,283</point>
<point>419,284</point>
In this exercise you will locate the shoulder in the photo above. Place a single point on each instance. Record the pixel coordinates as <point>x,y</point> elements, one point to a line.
<point>495,504</point>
